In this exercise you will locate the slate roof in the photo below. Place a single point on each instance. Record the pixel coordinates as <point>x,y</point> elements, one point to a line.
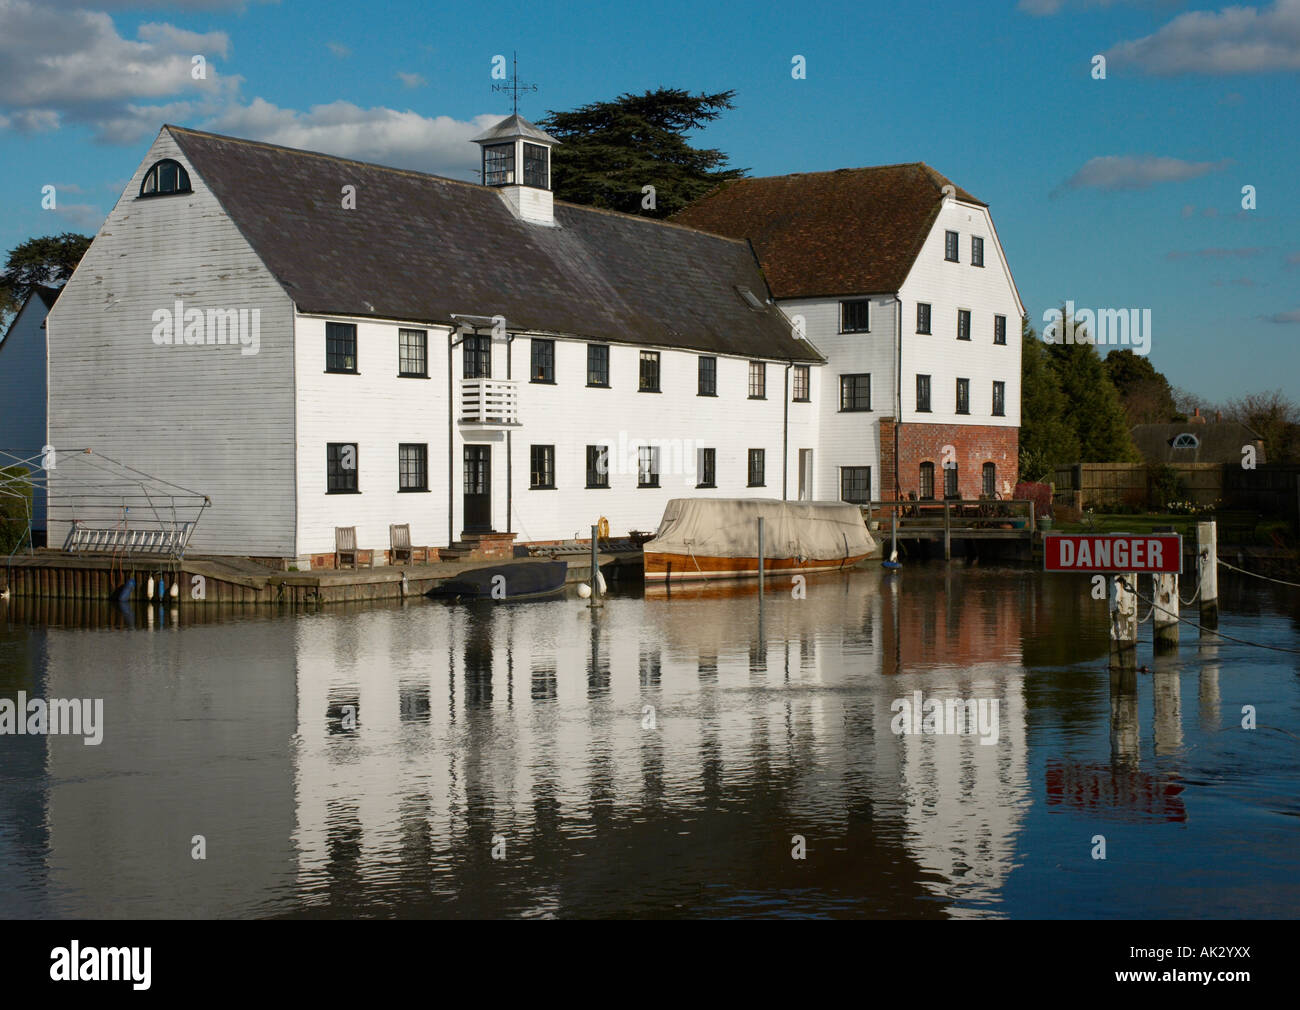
<point>421,247</point>
<point>1220,442</point>
<point>516,126</point>
<point>853,231</point>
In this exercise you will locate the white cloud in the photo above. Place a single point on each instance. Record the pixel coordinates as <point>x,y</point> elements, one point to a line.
<point>59,66</point>
<point>82,216</point>
<point>401,139</point>
<point>1137,172</point>
<point>1234,40</point>
<point>338,49</point>
<point>411,80</point>
<point>1284,317</point>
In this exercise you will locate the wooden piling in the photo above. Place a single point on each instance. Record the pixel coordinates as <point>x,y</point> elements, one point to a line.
<point>1207,561</point>
<point>947,532</point>
<point>1164,616</point>
<point>1123,621</point>
<point>761,575</point>
<point>595,568</point>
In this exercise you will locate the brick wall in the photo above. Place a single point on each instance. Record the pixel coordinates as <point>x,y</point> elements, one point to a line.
<point>973,446</point>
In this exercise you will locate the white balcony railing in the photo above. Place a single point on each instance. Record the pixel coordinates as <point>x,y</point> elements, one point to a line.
<point>491,403</point>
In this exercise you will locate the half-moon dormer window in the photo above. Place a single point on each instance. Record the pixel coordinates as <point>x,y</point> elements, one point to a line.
<point>165,177</point>
<point>1186,441</point>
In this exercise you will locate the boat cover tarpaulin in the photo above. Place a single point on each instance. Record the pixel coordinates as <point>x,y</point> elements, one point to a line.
<point>728,528</point>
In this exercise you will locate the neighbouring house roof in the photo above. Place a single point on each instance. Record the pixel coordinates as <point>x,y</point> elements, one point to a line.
<point>48,297</point>
<point>820,234</point>
<point>421,247</point>
<point>1216,442</point>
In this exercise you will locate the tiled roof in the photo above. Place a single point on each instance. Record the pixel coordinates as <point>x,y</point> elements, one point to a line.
<point>421,247</point>
<point>847,232</point>
<point>1217,441</point>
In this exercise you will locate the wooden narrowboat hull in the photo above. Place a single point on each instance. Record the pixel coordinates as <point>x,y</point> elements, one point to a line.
<point>686,568</point>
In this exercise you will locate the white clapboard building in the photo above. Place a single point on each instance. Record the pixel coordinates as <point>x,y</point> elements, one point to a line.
<point>315,342</point>
<point>22,397</point>
<point>897,276</point>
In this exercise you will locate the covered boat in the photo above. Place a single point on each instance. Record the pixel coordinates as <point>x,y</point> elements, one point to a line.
<point>717,538</point>
<point>518,580</point>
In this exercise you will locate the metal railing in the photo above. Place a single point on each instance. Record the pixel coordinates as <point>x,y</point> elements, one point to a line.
<point>952,514</point>
<point>489,402</point>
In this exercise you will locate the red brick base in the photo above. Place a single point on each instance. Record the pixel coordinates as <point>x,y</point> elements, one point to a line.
<point>973,445</point>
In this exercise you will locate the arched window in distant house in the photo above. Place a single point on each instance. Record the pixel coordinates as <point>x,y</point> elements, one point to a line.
<point>1186,441</point>
<point>165,177</point>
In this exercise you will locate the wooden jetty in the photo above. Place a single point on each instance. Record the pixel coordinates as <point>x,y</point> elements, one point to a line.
<point>53,574</point>
<point>1011,522</point>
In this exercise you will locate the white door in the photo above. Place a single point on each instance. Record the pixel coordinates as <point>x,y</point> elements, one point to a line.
<point>805,474</point>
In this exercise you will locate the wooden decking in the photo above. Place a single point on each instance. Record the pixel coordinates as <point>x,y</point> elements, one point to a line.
<point>946,521</point>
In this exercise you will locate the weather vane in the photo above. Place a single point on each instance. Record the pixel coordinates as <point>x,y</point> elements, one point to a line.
<point>513,86</point>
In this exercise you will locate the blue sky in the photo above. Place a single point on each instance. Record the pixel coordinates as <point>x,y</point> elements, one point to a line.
<point>1117,193</point>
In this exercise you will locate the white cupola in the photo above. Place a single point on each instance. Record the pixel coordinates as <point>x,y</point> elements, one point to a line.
<point>517,161</point>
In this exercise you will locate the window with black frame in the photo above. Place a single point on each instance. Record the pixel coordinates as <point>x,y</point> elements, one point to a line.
<point>597,466</point>
<point>976,251</point>
<point>758,380</point>
<point>598,365</point>
<point>757,466</point>
<point>649,382</point>
<point>707,466</point>
<point>801,392</point>
<point>535,166</point>
<point>413,354</point>
<point>647,466</point>
<point>542,467</point>
<point>412,466</point>
<point>989,480</point>
<point>499,164</point>
<point>164,178</point>
<point>950,480</point>
<point>963,396</point>
<point>950,240</point>
<point>476,354</point>
<point>922,317</point>
<point>927,480</point>
<point>922,394</point>
<point>341,467</point>
<point>855,316</point>
<point>543,360</point>
<point>999,329</point>
<point>707,384</point>
<point>999,399</point>
<point>855,392</point>
<point>855,484</point>
<point>341,347</point>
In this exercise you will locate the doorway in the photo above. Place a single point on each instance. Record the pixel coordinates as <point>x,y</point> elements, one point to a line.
<point>478,489</point>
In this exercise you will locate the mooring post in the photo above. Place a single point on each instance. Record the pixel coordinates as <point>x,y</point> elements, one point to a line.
<point>947,533</point>
<point>595,571</point>
<point>761,576</point>
<point>1165,615</point>
<point>1123,621</point>
<point>1207,562</point>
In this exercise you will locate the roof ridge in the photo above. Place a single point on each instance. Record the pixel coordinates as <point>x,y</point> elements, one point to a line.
<point>440,178</point>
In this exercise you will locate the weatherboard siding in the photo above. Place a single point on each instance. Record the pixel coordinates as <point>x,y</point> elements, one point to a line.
<point>22,392</point>
<point>848,438</point>
<point>985,291</point>
<point>208,418</point>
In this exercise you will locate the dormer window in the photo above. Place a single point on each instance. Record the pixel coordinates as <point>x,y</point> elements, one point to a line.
<point>165,177</point>
<point>1186,441</point>
<point>498,164</point>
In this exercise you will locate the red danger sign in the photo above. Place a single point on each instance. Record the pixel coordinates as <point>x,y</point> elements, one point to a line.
<point>1151,553</point>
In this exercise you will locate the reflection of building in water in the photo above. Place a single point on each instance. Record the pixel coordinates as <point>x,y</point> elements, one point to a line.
<point>963,800</point>
<point>533,722</point>
<point>193,745</point>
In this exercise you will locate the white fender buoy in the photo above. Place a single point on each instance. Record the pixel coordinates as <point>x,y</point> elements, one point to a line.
<point>600,581</point>
<point>175,590</point>
<point>584,590</point>
<point>148,592</point>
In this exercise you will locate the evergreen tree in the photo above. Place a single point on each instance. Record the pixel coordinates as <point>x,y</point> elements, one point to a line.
<point>1144,392</point>
<point>1046,439</point>
<point>1094,408</point>
<point>610,151</point>
<point>46,261</point>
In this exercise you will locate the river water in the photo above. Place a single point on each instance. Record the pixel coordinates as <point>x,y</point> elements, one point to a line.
<point>672,754</point>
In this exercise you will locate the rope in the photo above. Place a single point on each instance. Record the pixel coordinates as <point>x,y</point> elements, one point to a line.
<point>1255,575</point>
<point>1201,627</point>
<point>1188,603</point>
<point>1144,620</point>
